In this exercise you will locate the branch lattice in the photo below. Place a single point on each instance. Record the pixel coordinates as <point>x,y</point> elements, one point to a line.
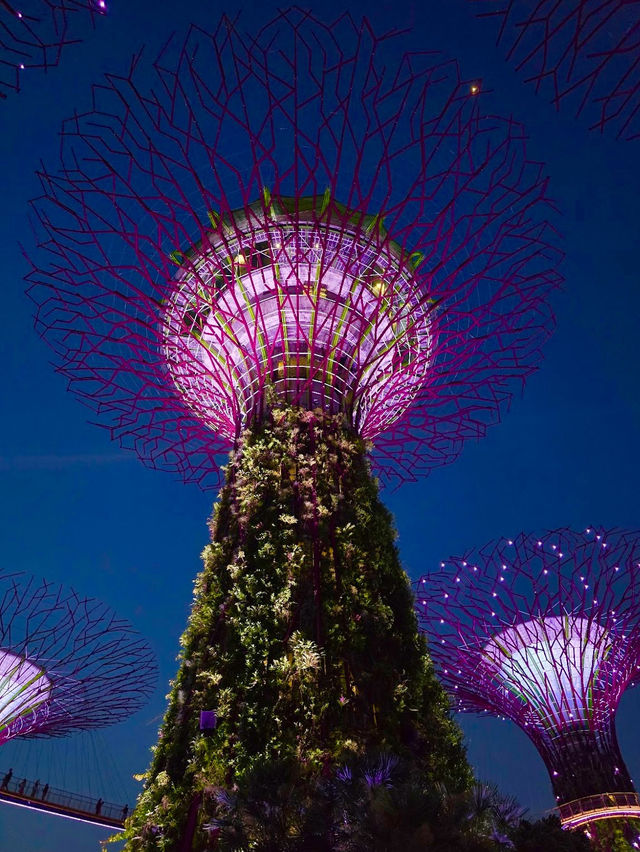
<point>66,663</point>
<point>229,127</point>
<point>544,630</point>
<point>33,34</point>
<point>585,55</point>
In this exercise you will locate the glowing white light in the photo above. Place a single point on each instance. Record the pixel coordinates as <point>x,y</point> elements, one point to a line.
<point>550,664</point>
<point>24,686</point>
<point>340,327</point>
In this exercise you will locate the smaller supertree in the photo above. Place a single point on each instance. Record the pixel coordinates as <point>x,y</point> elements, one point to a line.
<point>585,53</point>
<point>545,630</point>
<point>33,33</point>
<point>66,663</point>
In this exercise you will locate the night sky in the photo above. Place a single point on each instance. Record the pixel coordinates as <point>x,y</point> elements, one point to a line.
<point>80,511</point>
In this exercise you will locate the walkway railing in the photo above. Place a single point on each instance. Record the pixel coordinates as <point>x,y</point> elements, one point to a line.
<point>597,807</point>
<point>41,797</point>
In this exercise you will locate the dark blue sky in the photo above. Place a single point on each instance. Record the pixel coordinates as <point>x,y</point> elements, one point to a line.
<point>78,510</point>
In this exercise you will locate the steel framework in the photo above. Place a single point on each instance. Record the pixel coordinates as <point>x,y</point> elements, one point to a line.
<point>281,214</point>
<point>66,663</point>
<point>545,631</point>
<point>34,32</point>
<point>584,54</point>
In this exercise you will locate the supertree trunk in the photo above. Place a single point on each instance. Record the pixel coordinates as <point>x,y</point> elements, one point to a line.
<point>302,636</point>
<point>583,762</point>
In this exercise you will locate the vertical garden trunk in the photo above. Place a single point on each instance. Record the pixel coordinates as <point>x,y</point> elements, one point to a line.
<point>302,636</point>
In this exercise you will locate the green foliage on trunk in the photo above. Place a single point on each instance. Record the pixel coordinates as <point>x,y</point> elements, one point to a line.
<point>302,635</point>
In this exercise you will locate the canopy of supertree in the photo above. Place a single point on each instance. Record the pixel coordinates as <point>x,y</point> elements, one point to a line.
<point>294,212</point>
<point>34,32</point>
<point>66,663</point>
<point>582,55</point>
<point>545,631</point>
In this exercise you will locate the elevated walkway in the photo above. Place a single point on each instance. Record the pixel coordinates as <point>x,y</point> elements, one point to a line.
<point>600,806</point>
<point>34,795</point>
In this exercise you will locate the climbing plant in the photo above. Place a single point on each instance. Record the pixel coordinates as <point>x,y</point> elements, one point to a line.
<point>302,638</point>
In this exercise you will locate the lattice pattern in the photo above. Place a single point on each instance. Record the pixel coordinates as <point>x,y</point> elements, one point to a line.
<point>144,214</point>
<point>544,631</point>
<point>66,663</point>
<point>34,32</point>
<point>585,54</point>
<point>307,302</point>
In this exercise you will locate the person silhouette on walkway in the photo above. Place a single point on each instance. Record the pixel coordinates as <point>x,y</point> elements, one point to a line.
<point>35,788</point>
<point>21,787</point>
<point>125,811</point>
<point>6,779</point>
<point>99,805</point>
<point>45,791</point>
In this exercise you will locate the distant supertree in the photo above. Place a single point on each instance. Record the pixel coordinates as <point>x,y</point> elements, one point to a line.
<point>584,54</point>
<point>282,247</point>
<point>545,631</point>
<point>66,663</point>
<point>34,32</point>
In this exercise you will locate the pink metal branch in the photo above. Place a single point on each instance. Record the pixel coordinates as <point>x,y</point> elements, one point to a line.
<point>584,54</point>
<point>66,663</point>
<point>34,32</point>
<point>297,212</point>
<point>545,631</point>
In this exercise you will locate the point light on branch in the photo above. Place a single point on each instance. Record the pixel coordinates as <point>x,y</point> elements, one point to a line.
<point>545,631</point>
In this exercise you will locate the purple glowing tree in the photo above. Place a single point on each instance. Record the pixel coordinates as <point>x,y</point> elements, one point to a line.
<point>297,247</point>
<point>372,243</point>
<point>66,663</point>
<point>585,54</point>
<point>545,631</point>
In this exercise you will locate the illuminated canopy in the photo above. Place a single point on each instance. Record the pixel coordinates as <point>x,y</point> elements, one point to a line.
<point>550,664</point>
<point>24,687</point>
<point>545,630</point>
<point>397,268</point>
<point>315,303</point>
<point>66,663</point>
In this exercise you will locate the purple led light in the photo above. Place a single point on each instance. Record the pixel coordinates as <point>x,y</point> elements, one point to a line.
<point>24,687</point>
<point>60,656</point>
<point>565,647</point>
<point>311,305</point>
<point>260,245</point>
<point>37,33</point>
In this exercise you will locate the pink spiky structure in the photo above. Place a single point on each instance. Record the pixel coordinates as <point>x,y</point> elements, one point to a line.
<point>66,663</point>
<point>585,54</point>
<point>34,32</point>
<point>281,214</point>
<point>545,631</point>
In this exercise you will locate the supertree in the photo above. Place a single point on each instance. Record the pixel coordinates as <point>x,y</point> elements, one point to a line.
<point>34,32</point>
<point>584,54</point>
<point>545,631</point>
<point>66,663</point>
<point>215,274</point>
